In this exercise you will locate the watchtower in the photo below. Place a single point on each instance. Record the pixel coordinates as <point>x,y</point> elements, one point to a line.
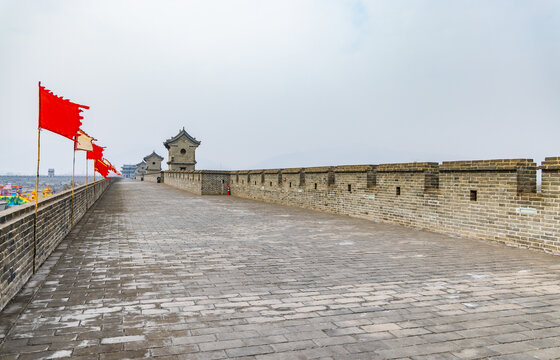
<point>153,162</point>
<point>182,149</point>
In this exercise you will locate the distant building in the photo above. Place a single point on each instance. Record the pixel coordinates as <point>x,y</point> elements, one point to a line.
<point>51,172</point>
<point>128,171</point>
<point>140,171</point>
<point>181,151</point>
<point>153,162</point>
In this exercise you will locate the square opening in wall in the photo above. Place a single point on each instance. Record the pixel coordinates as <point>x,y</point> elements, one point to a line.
<point>474,195</point>
<point>349,187</point>
<point>398,190</point>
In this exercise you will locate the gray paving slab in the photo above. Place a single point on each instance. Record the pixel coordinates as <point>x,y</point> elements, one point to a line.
<point>152,271</point>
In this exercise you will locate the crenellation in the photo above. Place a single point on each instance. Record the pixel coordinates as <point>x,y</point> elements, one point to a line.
<point>492,200</point>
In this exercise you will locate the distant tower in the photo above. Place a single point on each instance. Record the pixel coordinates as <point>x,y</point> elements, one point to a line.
<point>153,162</point>
<point>181,151</point>
<point>128,171</point>
<point>51,172</point>
<point>140,170</point>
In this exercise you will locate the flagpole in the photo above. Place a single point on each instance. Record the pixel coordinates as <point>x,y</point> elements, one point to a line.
<point>73,168</point>
<point>87,198</point>
<point>36,196</point>
<point>37,184</point>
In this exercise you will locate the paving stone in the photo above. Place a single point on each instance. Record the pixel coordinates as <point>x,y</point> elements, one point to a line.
<point>381,327</point>
<point>250,350</point>
<point>221,345</point>
<point>173,350</point>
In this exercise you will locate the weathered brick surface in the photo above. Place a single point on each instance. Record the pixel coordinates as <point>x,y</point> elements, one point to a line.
<point>54,217</point>
<point>199,182</point>
<point>155,271</point>
<point>152,176</point>
<point>490,199</point>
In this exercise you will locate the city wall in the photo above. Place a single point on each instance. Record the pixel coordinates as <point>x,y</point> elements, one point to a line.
<point>205,182</point>
<point>153,176</point>
<point>493,200</point>
<point>53,224</point>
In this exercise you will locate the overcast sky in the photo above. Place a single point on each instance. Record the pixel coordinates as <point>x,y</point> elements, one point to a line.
<point>284,83</point>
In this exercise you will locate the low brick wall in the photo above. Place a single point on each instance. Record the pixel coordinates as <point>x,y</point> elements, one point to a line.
<point>206,182</point>
<point>153,176</point>
<point>53,224</point>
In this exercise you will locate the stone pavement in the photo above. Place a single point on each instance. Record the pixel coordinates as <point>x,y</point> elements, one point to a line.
<point>154,271</point>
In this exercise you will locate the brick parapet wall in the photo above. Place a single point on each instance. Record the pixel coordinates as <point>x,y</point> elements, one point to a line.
<point>493,200</point>
<point>153,176</point>
<point>208,182</point>
<point>53,224</point>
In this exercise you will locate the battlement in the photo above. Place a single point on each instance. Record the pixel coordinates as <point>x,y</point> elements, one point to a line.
<point>493,200</point>
<point>551,163</point>
<point>487,165</point>
<point>352,168</point>
<point>406,167</point>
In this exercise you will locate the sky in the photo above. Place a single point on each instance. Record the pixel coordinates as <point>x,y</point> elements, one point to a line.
<point>273,84</point>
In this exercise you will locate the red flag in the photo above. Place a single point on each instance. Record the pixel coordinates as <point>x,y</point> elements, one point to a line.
<point>59,115</point>
<point>96,154</point>
<point>101,168</point>
<point>111,167</point>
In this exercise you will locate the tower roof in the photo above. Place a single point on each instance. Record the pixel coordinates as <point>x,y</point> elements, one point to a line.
<point>178,136</point>
<point>153,154</point>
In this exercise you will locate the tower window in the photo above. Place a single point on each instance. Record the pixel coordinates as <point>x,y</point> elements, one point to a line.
<point>473,195</point>
<point>398,190</point>
<point>315,186</point>
<point>349,187</point>
<point>183,151</point>
<point>153,162</point>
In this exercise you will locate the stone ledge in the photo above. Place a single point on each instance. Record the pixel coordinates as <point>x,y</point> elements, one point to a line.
<point>353,168</point>
<point>292,170</point>
<point>407,167</point>
<point>551,163</point>
<point>487,165</point>
<point>319,169</point>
